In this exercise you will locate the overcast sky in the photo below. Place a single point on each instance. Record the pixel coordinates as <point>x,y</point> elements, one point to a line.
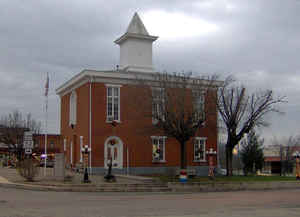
<point>256,41</point>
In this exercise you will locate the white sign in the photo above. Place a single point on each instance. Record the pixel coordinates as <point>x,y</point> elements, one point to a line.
<point>28,151</point>
<point>28,142</point>
<point>28,135</point>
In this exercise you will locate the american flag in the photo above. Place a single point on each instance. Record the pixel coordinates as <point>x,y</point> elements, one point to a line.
<point>47,85</point>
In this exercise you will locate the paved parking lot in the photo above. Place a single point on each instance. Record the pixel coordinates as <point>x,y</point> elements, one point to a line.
<point>22,203</point>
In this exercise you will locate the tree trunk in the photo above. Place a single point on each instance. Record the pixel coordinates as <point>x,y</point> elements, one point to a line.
<point>182,155</point>
<point>228,161</point>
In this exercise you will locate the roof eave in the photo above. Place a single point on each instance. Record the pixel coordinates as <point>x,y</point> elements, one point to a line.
<point>74,79</point>
<point>137,36</point>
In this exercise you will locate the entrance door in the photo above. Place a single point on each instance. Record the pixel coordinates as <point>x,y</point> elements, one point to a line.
<point>113,150</point>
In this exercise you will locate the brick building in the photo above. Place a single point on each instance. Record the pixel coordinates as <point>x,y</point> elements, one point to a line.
<point>92,100</point>
<point>279,159</point>
<point>54,143</point>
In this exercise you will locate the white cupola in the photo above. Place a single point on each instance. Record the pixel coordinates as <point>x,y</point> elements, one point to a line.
<point>136,47</point>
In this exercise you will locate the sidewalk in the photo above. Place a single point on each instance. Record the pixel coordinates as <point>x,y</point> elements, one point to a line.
<point>11,175</point>
<point>10,179</point>
<point>4,180</point>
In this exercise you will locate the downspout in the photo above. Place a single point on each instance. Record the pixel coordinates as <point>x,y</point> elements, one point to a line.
<point>90,123</point>
<point>218,140</point>
<point>127,160</point>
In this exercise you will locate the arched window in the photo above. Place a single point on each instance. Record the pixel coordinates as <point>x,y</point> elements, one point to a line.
<point>73,105</point>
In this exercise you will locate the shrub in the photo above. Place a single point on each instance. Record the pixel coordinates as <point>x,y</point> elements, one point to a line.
<point>28,169</point>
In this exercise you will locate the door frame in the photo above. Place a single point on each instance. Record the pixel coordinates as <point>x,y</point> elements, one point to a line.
<point>118,144</point>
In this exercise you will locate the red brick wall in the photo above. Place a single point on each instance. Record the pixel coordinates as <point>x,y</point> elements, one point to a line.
<point>81,128</point>
<point>132,129</point>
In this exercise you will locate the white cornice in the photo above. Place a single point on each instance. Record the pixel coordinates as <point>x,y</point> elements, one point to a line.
<point>136,36</point>
<point>119,77</point>
<point>114,77</point>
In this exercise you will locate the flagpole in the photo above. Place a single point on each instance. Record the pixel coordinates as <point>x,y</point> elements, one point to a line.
<point>46,123</point>
<point>46,134</point>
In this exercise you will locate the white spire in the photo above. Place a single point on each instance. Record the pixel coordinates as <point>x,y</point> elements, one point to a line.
<point>136,26</point>
<point>136,47</point>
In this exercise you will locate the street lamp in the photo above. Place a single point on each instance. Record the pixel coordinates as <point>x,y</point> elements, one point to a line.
<point>109,177</point>
<point>296,154</point>
<point>85,151</point>
<point>211,153</point>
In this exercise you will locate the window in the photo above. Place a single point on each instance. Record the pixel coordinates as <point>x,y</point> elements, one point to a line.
<point>113,103</point>
<point>158,104</point>
<point>199,149</point>
<point>158,148</point>
<point>80,149</point>
<point>199,105</point>
<point>51,144</point>
<point>71,153</point>
<point>73,103</point>
<point>65,144</point>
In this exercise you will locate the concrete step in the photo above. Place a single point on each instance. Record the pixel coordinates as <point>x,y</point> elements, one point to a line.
<point>133,185</point>
<point>113,187</point>
<point>90,188</point>
<point>133,189</point>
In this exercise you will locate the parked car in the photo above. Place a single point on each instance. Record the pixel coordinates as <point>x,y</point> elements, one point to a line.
<point>49,163</point>
<point>221,171</point>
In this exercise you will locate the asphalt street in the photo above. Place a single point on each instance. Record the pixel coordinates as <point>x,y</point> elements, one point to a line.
<point>25,203</point>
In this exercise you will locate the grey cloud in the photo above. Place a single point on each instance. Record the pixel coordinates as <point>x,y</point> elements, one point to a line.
<point>64,37</point>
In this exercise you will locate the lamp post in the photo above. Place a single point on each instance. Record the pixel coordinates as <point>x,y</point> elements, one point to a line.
<point>109,177</point>
<point>211,153</point>
<point>81,145</point>
<point>296,155</point>
<point>85,151</point>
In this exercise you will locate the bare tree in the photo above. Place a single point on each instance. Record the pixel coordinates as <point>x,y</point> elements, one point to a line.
<point>12,128</point>
<point>286,141</point>
<point>177,104</point>
<point>241,112</point>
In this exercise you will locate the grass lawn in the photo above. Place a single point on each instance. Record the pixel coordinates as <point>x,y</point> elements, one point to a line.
<point>231,179</point>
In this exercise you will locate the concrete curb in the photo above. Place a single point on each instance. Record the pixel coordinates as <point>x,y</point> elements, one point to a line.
<point>232,186</point>
<point>170,187</point>
<point>136,178</point>
<point>100,188</point>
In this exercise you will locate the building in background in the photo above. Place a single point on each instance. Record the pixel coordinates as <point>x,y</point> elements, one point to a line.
<point>279,159</point>
<point>54,144</point>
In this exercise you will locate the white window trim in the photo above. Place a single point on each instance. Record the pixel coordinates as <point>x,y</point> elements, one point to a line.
<point>119,112</point>
<point>154,120</point>
<point>200,138</point>
<point>65,144</point>
<point>73,108</point>
<point>120,155</point>
<point>164,148</point>
<point>113,85</point>
<point>197,94</point>
<point>71,153</point>
<point>80,149</point>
